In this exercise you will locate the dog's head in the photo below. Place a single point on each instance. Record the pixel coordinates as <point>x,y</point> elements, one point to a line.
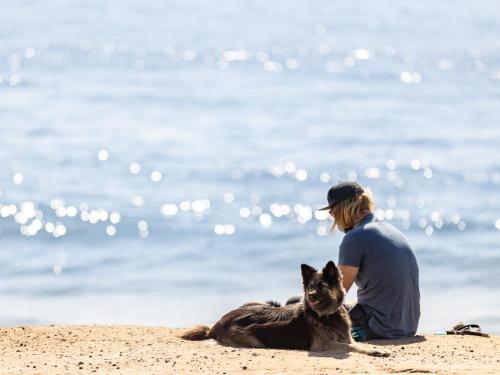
<point>323,291</point>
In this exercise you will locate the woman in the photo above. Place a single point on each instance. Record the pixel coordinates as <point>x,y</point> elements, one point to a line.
<point>378,258</point>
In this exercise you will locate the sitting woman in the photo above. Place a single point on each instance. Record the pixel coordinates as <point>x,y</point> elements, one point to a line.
<point>378,258</point>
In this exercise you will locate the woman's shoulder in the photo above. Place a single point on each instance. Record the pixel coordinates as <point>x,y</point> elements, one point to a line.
<point>351,239</point>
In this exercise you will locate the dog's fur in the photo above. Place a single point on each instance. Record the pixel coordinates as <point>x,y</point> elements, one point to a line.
<point>319,322</point>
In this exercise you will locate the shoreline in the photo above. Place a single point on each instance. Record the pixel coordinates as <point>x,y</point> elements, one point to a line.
<point>150,350</point>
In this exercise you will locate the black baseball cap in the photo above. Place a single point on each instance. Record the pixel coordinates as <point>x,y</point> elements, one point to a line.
<point>342,191</point>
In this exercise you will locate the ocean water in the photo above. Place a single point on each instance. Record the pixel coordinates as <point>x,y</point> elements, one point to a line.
<point>162,162</point>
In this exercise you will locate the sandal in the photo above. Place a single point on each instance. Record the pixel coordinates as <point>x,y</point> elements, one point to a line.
<point>466,329</point>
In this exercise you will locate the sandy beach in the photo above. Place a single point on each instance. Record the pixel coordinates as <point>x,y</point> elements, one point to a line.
<point>154,350</point>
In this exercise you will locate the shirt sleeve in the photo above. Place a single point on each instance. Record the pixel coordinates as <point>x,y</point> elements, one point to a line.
<point>351,253</point>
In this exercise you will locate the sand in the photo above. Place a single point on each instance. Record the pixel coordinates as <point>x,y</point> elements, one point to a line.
<point>148,350</point>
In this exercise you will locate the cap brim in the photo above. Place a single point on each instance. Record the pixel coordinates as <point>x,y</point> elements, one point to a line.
<point>324,208</point>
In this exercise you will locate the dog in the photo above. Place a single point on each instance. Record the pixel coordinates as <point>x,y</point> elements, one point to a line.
<point>319,322</point>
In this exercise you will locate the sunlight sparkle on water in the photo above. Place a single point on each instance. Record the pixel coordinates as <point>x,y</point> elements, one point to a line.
<point>410,77</point>
<point>57,269</point>
<point>134,168</point>
<point>461,226</point>
<point>93,216</point>
<point>390,164</point>
<point>137,200</point>
<point>71,211</point>
<point>362,54</point>
<point>14,80</point>
<point>84,216</point>
<point>322,230</point>
<point>422,222</point>
<point>18,178</point>
<point>219,229</point>
<point>324,177</point>
<point>61,211</point>
<point>372,172</point>
<point>28,209</point>
<point>49,227</point>
<point>292,64</point>
<point>103,214</point>
<point>303,212</point>
<point>379,214</point>
<point>156,176</point>
<point>265,220</point>
<point>227,229</point>
<point>142,225</point>
<point>185,205</point>
<point>301,175</point>
<point>228,197</point>
<point>349,62</point>
<point>277,170</point>
<point>59,230</point>
<point>244,212</point>
<point>103,155</point>
<point>290,167</point>
<point>321,215</point>
<point>169,209</point>
<point>29,53</point>
<point>279,210</point>
<point>415,164</point>
<point>200,205</point>
<point>110,230</point>
<point>236,55</point>
<point>114,217</point>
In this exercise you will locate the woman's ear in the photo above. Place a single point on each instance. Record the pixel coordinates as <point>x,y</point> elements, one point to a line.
<point>307,273</point>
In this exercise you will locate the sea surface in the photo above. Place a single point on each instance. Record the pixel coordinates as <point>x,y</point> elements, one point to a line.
<point>162,161</point>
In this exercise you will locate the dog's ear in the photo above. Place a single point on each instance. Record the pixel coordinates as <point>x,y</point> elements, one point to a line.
<point>307,273</point>
<point>331,273</point>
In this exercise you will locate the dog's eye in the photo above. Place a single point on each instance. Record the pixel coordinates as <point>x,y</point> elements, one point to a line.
<point>321,286</point>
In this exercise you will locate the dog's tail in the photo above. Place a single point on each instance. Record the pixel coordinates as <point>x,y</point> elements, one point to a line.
<point>196,333</point>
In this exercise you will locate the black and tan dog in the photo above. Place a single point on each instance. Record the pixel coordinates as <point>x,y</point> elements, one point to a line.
<point>319,322</point>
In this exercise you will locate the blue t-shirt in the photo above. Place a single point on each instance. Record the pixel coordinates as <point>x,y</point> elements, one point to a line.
<point>387,279</point>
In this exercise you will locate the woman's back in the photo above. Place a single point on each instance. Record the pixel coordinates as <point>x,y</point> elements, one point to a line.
<point>388,276</point>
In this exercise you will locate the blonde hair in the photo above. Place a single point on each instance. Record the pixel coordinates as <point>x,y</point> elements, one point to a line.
<point>348,211</point>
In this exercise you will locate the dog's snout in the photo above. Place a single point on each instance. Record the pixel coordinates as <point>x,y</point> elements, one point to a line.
<point>312,293</point>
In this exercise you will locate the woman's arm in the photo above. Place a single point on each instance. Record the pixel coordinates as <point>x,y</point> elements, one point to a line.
<point>349,274</point>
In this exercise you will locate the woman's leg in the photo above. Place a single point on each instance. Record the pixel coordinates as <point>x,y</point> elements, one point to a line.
<point>359,319</point>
